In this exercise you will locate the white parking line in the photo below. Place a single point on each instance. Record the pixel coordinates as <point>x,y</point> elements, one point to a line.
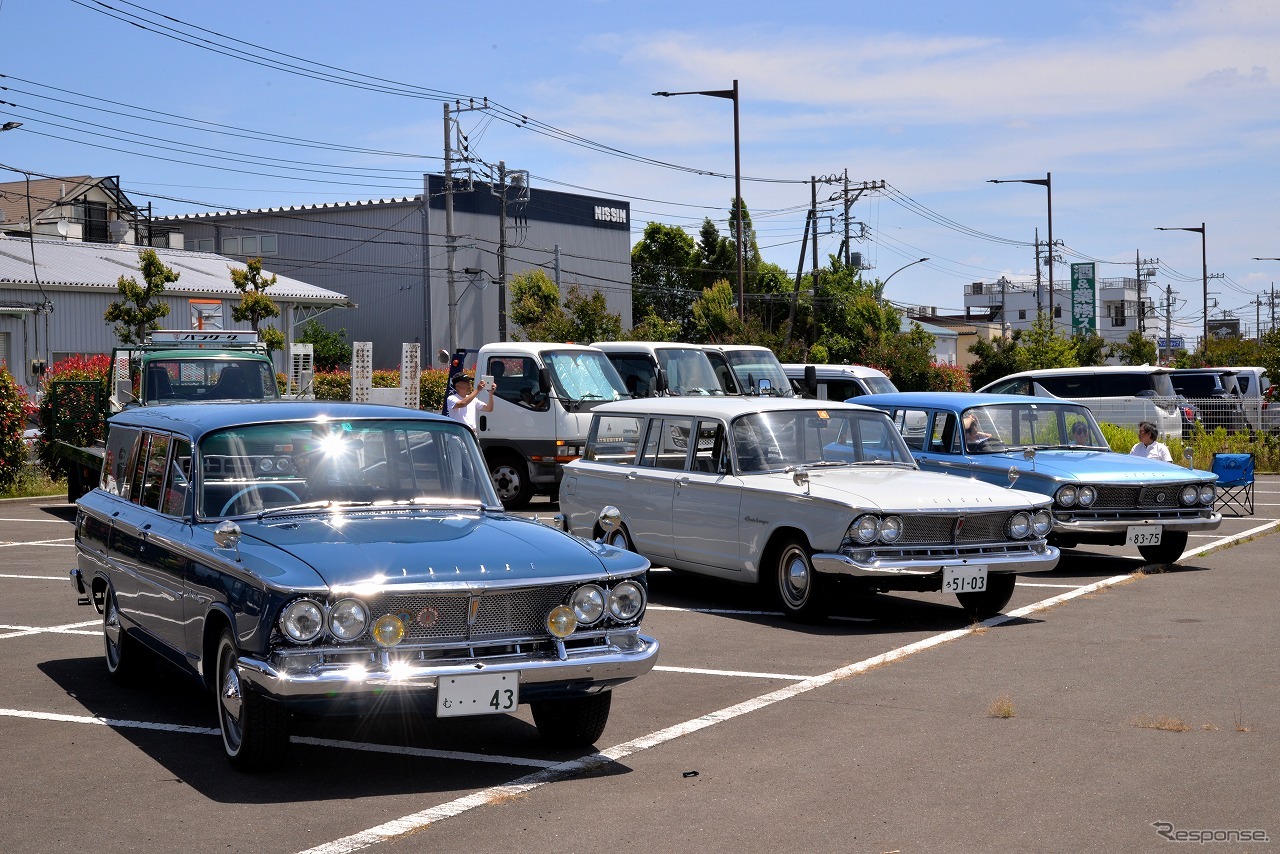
<point>68,629</point>
<point>417,821</point>
<point>1037,584</point>
<point>65,542</point>
<point>45,521</point>
<point>62,579</point>
<point>715,611</point>
<point>790,677</point>
<point>116,723</point>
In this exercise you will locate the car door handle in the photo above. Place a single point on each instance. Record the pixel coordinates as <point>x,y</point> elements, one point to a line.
<point>631,475</point>
<point>682,481</point>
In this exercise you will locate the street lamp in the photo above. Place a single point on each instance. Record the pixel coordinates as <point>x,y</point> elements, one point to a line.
<point>10,126</point>
<point>731,94</point>
<point>1047,183</point>
<point>880,290</point>
<point>1204,270</point>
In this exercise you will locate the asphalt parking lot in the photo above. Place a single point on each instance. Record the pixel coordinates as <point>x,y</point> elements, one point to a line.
<point>1113,707</point>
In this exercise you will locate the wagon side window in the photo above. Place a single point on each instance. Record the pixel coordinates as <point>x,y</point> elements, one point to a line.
<point>153,474</point>
<point>117,465</point>
<point>711,454</point>
<point>667,443</point>
<point>615,439</point>
<point>179,480</point>
<point>137,471</point>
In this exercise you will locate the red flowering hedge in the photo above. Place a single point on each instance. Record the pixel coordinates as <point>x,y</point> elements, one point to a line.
<point>13,418</point>
<point>82,432</point>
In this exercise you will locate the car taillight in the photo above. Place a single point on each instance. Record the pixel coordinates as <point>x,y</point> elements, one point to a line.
<point>1189,413</point>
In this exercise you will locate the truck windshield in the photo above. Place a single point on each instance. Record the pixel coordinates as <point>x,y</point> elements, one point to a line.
<point>688,371</point>
<point>183,380</point>
<point>584,375</point>
<point>759,372</point>
<point>259,467</point>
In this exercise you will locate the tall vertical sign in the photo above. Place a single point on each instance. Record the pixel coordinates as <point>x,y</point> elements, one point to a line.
<point>1084,299</point>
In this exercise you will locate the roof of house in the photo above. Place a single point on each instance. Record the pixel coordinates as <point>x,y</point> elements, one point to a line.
<point>361,203</point>
<point>67,265</point>
<point>935,331</point>
<point>45,193</point>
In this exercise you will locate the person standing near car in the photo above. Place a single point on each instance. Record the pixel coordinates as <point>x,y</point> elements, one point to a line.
<point>463,405</point>
<point>1148,446</point>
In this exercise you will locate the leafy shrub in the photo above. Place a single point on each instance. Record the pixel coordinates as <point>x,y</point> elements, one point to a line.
<point>13,418</point>
<point>1264,447</point>
<point>84,431</point>
<point>336,385</point>
<point>944,377</point>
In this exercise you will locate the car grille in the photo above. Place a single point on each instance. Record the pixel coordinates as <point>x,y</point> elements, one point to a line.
<point>430,617</point>
<point>1128,497</point>
<point>929,529</point>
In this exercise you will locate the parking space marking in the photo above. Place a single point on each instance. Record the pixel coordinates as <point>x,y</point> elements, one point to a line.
<point>1235,538</point>
<point>1037,584</point>
<point>732,611</point>
<point>366,747</point>
<point>420,820</point>
<point>68,629</point>
<point>45,521</point>
<point>790,677</point>
<point>64,542</point>
<point>61,579</point>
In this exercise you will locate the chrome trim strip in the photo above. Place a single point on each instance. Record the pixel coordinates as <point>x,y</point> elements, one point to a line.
<point>839,564</point>
<point>1109,526</point>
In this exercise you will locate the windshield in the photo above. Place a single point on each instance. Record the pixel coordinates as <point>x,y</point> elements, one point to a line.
<point>879,385</point>
<point>688,371</point>
<point>584,375</point>
<point>759,372</point>
<point>183,380</point>
<point>250,469</point>
<point>772,441</point>
<point>999,427</point>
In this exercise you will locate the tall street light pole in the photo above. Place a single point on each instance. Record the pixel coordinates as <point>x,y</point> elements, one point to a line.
<point>1047,183</point>
<point>1204,272</point>
<point>880,290</point>
<point>731,94</point>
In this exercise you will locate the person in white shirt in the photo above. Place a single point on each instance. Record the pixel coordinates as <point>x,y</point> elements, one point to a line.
<point>1148,446</point>
<point>464,405</point>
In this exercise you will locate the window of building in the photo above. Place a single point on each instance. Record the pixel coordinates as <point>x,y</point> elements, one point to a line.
<point>1022,314</point>
<point>204,244</point>
<point>95,223</point>
<point>230,246</point>
<point>251,245</point>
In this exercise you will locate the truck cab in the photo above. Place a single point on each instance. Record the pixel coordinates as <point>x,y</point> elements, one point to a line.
<point>192,366</point>
<point>543,395</point>
<point>662,368</point>
<point>748,369</point>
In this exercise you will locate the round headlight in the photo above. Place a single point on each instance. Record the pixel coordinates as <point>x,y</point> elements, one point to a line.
<point>348,619</point>
<point>1042,523</point>
<point>1086,495</point>
<point>1019,525</point>
<point>266,464</point>
<point>588,603</point>
<point>626,601</point>
<point>561,621</point>
<point>284,464</point>
<point>1066,496</point>
<point>891,529</point>
<point>302,621</point>
<point>1207,493</point>
<point>1190,494</point>
<point>866,527</point>
<point>388,630</point>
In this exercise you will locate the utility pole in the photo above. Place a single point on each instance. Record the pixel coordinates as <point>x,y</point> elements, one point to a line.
<point>1039,304</point>
<point>848,203</point>
<point>795,294</point>
<point>1168,319</point>
<point>1139,264</point>
<point>449,236</point>
<point>813,183</point>
<point>502,250</point>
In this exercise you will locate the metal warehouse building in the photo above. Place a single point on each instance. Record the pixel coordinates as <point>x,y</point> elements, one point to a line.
<point>390,256</point>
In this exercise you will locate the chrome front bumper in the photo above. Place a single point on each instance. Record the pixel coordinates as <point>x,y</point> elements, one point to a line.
<point>582,670</point>
<point>1018,562</point>
<point>1118,525</point>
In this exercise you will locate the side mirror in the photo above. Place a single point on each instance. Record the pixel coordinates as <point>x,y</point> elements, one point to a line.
<point>660,381</point>
<point>1029,455</point>
<point>800,477</point>
<point>1013,476</point>
<point>811,380</point>
<point>227,536</point>
<point>610,519</point>
<point>1188,455</point>
<point>544,380</point>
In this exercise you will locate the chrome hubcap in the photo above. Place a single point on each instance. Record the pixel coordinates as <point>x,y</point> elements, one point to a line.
<point>795,578</point>
<point>231,699</point>
<point>506,481</point>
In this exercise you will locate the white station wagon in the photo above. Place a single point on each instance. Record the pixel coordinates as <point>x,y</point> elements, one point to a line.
<point>794,494</point>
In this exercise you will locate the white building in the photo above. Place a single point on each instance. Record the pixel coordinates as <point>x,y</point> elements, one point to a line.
<point>1123,305</point>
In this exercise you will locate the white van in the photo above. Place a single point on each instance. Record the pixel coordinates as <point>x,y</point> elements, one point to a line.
<point>1116,394</point>
<point>1255,386</point>
<point>542,402</point>
<point>655,368</point>
<point>837,382</point>
<point>748,369</point>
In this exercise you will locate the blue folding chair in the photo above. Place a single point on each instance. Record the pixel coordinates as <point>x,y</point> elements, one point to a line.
<point>1235,483</point>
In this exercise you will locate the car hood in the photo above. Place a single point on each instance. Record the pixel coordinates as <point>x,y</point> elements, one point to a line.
<point>1094,467</point>
<point>415,547</point>
<point>904,490</point>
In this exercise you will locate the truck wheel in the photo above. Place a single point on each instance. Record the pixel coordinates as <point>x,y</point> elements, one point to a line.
<point>576,722</point>
<point>510,475</point>
<point>1171,547</point>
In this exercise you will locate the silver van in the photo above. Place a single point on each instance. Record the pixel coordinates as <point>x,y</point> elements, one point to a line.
<point>1255,395</point>
<point>1116,394</point>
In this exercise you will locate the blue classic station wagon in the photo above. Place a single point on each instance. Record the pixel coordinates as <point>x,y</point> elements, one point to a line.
<point>1055,448</point>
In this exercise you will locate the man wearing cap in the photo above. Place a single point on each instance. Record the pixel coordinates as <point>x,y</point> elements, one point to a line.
<point>463,404</point>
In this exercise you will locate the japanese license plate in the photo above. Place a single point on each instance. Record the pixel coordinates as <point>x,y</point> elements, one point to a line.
<point>478,694</point>
<point>964,579</point>
<point>1143,535</point>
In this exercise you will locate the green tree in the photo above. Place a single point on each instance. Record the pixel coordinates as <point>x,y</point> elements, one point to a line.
<point>589,317</point>
<point>535,308</point>
<point>1137,349</point>
<point>332,350</point>
<point>716,258</point>
<point>654,328</point>
<point>1089,349</point>
<point>715,317</point>
<point>664,266</point>
<point>996,358</point>
<point>907,357</point>
<point>1043,347</point>
<point>255,305</point>
<point>140,309</point>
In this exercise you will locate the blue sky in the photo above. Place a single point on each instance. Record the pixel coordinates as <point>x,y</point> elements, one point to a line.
<point>1147,113</point>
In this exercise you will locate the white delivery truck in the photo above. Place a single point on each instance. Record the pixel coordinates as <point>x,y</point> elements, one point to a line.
<point>542,402</point>
<point>748,369</point>
<point>657,368</point>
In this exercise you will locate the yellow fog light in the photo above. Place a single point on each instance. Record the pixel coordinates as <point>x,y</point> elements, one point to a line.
<point>561,621</point>
<point>388,630</point>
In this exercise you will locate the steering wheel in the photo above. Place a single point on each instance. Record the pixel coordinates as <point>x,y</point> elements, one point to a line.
<point>255,487</point>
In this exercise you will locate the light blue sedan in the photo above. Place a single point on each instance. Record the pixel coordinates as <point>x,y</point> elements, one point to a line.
<point>1055,448</point>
